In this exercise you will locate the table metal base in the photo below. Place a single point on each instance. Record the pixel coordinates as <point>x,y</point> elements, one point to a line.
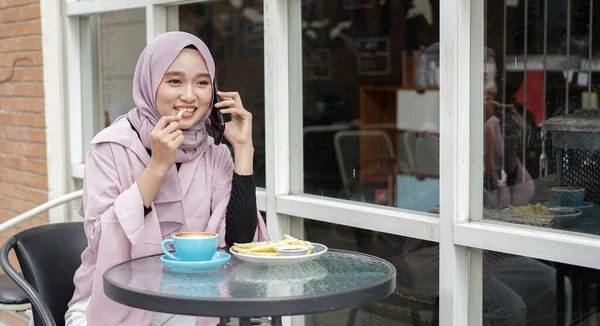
<point>225,321</point>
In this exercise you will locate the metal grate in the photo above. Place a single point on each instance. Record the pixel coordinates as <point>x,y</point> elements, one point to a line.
<point>579,168</point>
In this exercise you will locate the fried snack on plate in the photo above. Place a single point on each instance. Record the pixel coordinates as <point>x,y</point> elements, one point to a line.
<point>268,248</point>
<point>537,209</point>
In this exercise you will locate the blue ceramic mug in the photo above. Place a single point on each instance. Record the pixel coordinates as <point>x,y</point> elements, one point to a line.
<point>192,246</point>
<point>568,196</point>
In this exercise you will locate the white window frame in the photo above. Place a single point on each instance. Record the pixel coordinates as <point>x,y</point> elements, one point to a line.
<point>461,232</point>
<point>56,116</point>
<point>555,245</point>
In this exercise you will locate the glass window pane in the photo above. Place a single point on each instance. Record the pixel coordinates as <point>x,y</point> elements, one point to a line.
<point>122,37</point>
<point>233,31</point>
<point>110,44</point>
<point>417,285</point>
<point>525,291</point>
<point>541,120</point>
<point>371,101</point>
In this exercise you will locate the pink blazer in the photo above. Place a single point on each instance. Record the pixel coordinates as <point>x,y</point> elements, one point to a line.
<point>195,199</point>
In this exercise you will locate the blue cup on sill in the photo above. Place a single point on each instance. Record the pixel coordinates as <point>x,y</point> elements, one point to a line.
<point>568,196</point>
<point>192,246</point>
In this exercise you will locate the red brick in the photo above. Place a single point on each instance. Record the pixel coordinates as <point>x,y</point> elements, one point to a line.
<point>17,162</point>
<point>36,26</point>
<point>33,74</point>
<point>10,44</point>
<point>5,74</point>
<point>22,149</point>
<point>35,195</point>
<point>8,175</point>
<point>20,59</point>
<point>11,190</point>
<point>22,104</point>
<point>13,162</point>
<point>7,89</point>
<point>12,75</point>
<point>28,89</point>
<point>30,43</point>
<point>19,192</point>
<point>20,134</point>
<point>37,166</point>
<point>34,180</point>
<point>11,133</point>
<point>14,3</point>
<point>31,195</point>
<point>18,205</point>
<point>29,149</point>
<point>10,15</point>
<point>30,12</point>
<point>24,178</point>
<point>20,28</point>
<point>35,136</point>
<point>6,147</point>
<point>5,214</point>
<point>23,170</point>
<point>24,59</point>
<point>26,119</point>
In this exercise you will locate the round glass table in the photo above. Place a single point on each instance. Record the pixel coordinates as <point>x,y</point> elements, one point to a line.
<point>336,280</point>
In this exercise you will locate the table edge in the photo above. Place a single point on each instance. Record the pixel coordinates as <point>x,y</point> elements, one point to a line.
<point>256,307</point>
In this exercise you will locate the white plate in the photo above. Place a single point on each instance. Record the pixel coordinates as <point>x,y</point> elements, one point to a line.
<point>318,250</point>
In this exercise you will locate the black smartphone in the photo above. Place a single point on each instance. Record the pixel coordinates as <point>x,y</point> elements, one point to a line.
<point>217,121</point>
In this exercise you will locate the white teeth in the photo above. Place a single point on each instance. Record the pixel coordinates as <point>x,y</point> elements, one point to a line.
<point>187,109</point>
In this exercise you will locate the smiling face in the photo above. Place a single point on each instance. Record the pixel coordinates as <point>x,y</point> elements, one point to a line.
<point>186,86</point>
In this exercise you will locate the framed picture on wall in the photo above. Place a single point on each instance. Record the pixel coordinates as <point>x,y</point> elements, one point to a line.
<point>373,56</point>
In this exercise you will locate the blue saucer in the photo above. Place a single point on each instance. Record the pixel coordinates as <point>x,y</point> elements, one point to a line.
<point>586,205</point>
<point>218,260</point>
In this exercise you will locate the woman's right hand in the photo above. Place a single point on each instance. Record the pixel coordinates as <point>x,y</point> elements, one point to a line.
<point>165,142</point>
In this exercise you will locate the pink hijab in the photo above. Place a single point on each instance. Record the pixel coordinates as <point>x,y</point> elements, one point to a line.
<point>149,71</point>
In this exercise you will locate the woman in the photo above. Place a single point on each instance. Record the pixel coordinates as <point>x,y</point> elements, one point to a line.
<point>506,181</point>
<point>155,172</point>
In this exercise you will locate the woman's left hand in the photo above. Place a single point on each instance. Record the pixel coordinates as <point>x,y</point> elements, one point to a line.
<point>238,131</point>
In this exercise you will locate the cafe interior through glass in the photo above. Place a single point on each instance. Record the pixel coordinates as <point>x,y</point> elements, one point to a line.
<point>371,108</point>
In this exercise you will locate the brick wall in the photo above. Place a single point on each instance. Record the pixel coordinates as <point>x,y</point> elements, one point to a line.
<point>23,173</point>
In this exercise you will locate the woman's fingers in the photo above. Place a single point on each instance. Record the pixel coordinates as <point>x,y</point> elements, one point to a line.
<point>226,103</point>
<point>237,111</point>
<point>166,120</point>
<point>175,134</point>
<point>177,141</point>
<point>167,130</point>
<point>173,126</point>
<point>232,95</point>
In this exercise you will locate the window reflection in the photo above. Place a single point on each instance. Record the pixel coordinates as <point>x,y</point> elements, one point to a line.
<point>371,101</point>
<point>541,115</point>
<point>518,290</point>
<point>415,299</point>
<point>121,39</point>
<point>525,291</point>
<point>233,31</point>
